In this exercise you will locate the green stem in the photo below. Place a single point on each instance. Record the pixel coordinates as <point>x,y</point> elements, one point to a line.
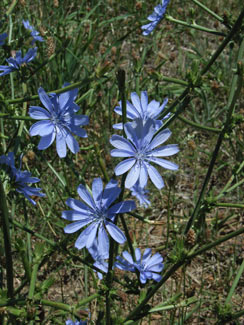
<point>121,84</point>
<point>235,91</point>
<point>199,126</point>
<point>16,117</point>
<point>208,11</point>
<point>33,280</point>
<point>101,162</point>
<point>7,242</point>
<point>173,80</point>
<point>11,8</point>
<point>229,205</point>
<point>194,26</point>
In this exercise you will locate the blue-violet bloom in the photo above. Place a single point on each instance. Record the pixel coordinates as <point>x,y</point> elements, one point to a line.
<point>155,17</point>
<point>98,214</point>
<point>99,258</point>
<point>18,61</point>
<point>34,33</point>
<point>2,38</point>
<point>70,322</point>
<point>58,120</point>
<point>140,149</point>
<point>20,178</point>
<point>141,194</point>
<point>149,266</point>
<point>140,108</point>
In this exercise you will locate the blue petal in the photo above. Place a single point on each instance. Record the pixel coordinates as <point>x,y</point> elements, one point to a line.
<point>138,255</point>
<point>110,193</point>
<point>92,229</point>
<point>72,143</point>
<point>78,206</point>
<point>121,143</point>
<point>132,176</point>
<point>103,243</point>
<point>124,166</point>
<point>122,207</point>
<point>61,145</point>
<point>128,257</point>
<point>136,103</point>
<point>144,101</point>
<point>165,151</point>
<point>164,163</point>
<point>85,196</point>
<point>146,255</point>
<point>45,99</point>
<point>115,233</point>
<point>156,277</point>
<point>157,267</point>
<point>143,175</point>
<point>155,177</point>
<point>82,239</point>
<point>74,216</point>
<point>73,227</point>
<point>160,138</point>
<point>46,141</point>
<point>42,128</point>
<point>121,153</point>
<point>97,190</point>
<point>39,113</point>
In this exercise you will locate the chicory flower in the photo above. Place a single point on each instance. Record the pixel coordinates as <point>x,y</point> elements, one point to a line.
<point>21,178</point>
<point>97,214</point>
<point>58,120</point>
<point>149,266</point>
<point>140,149</point>
<point>16,62</point>
<point>155,17</point>
<point>140,108</point>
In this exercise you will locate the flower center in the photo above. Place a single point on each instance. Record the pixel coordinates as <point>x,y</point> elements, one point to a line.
<point>99,215</point>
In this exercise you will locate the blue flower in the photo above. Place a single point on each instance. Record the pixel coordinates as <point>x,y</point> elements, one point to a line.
<point>20,178</point>
<point>140,149</point>
<point>70,322</point>
<point>18,61</point>
<point>98,214</point>
<point>149,266</point>
<point>141,194</point>
<point>99,258</point>
<point>155,18</point>
<point>58,121</point>
<point>2,38</point>
<point>34,33</point>
<point>140,108</point>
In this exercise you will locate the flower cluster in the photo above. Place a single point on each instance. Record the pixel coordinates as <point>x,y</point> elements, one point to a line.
<point>98,214</point>
<point>21,178</point>
<point>34,33</point>
<point>155,17</point>
<point>16,62</point>
<point>58,120</point>
<point>148,266</point>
